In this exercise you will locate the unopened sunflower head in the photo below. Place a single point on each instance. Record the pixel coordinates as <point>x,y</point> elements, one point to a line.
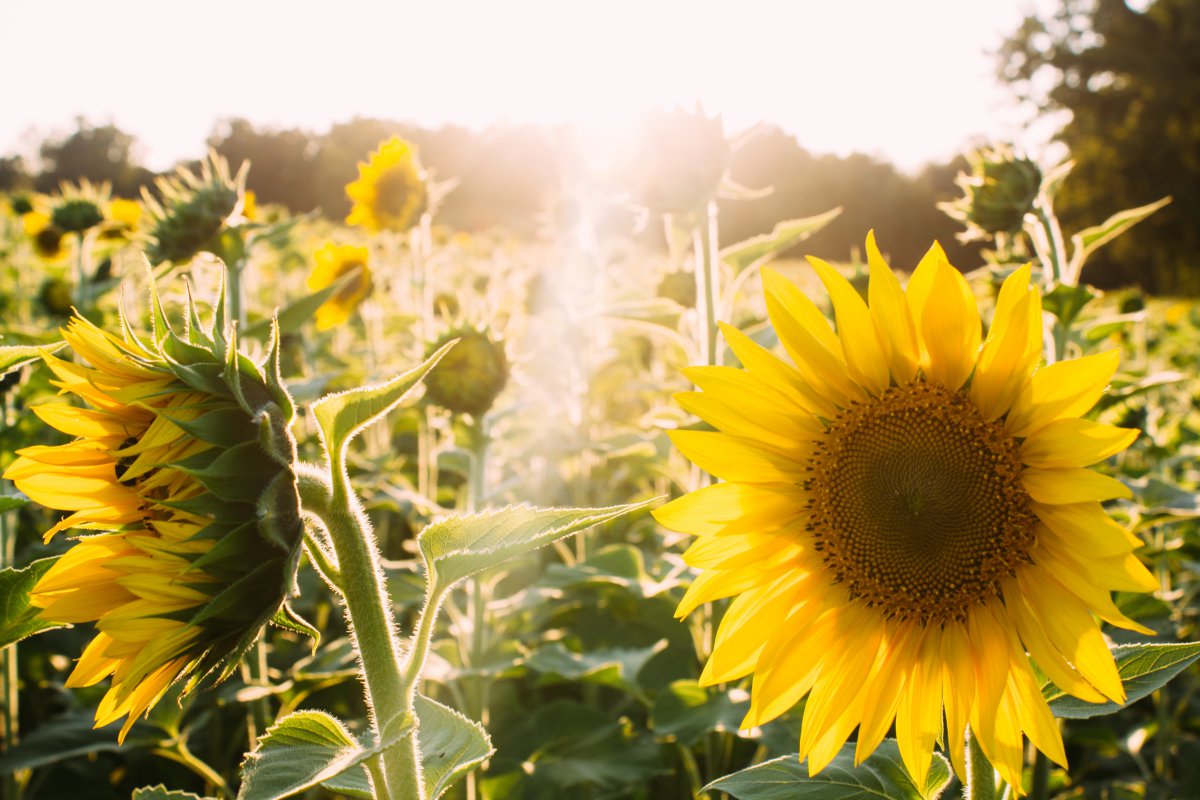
<point>682,159</point>
<point>20,204</point>
<point>906,510</point>
<point>80,207</point>
<point>998,193</point>
<point>335,262</point>
<point>191,211</point>
<point>392,190</point>
<point>181,473</point>
<point>471,375</point>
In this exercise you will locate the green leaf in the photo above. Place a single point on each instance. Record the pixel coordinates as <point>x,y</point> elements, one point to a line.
<point>686,711</point>
<point>451,746</point>
<point>161,792</point>
<point>302,750</point>
<point>340,417</point>
<point>8,502</point>
<point>762,248</point>
<point>70,735</point>
<point>880,777</point>
<point>1092,239</point>
<point>1065,302</point>
<point>460,546</point>
<point>18,619</point>
<point>1143,668</point>
<point>13,357</point>
<point>617,667</point>
<point>295,314</point>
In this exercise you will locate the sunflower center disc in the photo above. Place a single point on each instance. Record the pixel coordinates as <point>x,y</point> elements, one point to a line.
<point>394,192</point>
<point>918,504</point>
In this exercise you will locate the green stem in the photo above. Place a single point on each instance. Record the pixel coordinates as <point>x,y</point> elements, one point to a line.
<point>981,778</point>
<point>180,754</point>
<point>1040,787</point>
<point>83,286</point>
<point>372,627</point>
<point>322,561</point>
<point>234,293</point>
<point>1054,259</point>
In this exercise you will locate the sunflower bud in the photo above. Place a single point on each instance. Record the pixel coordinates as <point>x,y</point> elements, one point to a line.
<point>48,243</point>
<point>998,193</point>
<point>20,204</point>
<point>79,208</point>
<point>192,210</point>
<point>682,160</point>
<point>470,376</point>
<point>181,473</point>
<point>333,263</point>
<point>392,190</point>
<point>55,297</point>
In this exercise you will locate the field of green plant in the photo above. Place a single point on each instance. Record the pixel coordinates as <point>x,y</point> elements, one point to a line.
<point>380,508</point>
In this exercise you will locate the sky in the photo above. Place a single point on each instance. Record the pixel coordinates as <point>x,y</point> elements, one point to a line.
<point>911,81</point>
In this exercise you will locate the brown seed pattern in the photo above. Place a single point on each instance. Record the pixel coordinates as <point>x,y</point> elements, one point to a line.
<point>918,506</point>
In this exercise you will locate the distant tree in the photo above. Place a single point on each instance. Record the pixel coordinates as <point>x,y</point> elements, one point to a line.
<point>280,161</point>
<point>1131,82</point>
<point>874,194</point>
<point>104,153</point>
<point>13,175</point>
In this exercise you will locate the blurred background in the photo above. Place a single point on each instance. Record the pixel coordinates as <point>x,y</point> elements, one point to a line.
<point>866,105</point>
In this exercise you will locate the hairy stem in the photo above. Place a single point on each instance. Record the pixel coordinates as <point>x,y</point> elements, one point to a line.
<point>981,777</point>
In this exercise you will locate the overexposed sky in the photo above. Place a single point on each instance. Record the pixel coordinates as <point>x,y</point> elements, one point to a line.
<point>908,80</point>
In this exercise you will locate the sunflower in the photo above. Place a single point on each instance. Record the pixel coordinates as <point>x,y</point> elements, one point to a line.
<point>333,262</point>
<point>906,518</point>
<point>391,191</point>
<point>196,526</point>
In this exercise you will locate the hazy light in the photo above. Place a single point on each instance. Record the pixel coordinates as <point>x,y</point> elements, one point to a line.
<point>908,81</point>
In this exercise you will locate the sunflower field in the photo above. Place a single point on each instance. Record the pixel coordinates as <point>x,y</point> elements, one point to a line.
<point>293,507</point>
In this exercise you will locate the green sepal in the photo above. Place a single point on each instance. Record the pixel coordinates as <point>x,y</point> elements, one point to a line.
<point>238,474</point>
<point>230,547</point>
<point>274,373</point>
<point>197,332</point>
<point>205,377</point>
<point>340,417</point>
<point>214,508</point>
<point>18,618</point>
<point>288,619</point>
<point>275,435</point>
<point>279,520</point>
<point>224,426</point>
<point>161,328</point>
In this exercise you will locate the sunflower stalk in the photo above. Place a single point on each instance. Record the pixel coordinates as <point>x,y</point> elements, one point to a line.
<point>420,245</point>
<point>981,776</point>
<point>388,692</point>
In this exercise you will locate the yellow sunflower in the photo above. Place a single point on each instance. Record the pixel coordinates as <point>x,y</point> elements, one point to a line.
<point>198,524</point>
<point>333,262</point>
<point>391,191</point>
<point>906,513</point>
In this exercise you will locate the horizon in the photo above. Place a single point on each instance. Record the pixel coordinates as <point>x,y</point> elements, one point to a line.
<point>911,86</point>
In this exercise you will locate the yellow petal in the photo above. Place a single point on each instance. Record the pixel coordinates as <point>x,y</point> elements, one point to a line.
<point>708,510</point>
<point>751,620</point>
<point>1008,356</point>
<point>950,328</point>
<point>1070,570</point>
<point>734,458</point>
<point>775,372</point>
<point>1075,443</point>
<point>1061,391</point>
<point>892,318</point>
<point>919,717</point>
<point>1083,527</point>
<point>882,690</point>
<point>865,354</point>
<point>1071,485</point>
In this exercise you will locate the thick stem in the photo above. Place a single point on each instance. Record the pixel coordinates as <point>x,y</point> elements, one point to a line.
<point>981,777</point>
<point>1040,787</point>
<point>1057,249</point>
<point>234,294</point>
<point>371,624</point>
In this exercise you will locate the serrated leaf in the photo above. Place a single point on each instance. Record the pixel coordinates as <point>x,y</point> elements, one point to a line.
<point>451,746</point>
<point>460,546</point>
<point>13,357</point>
<point>161,792</point>
<point>765,246</point>
<point>880,777</point>
<point>1143,668</point>
<point>340,417</point>
<point>18,619</point>
<point>300,751</point>
<point>617,667</point>
<point>1092,239</point>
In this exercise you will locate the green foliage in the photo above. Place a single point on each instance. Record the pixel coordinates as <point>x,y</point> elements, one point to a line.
<point>880,777</point>
<point>1127,79</point>
<point>1143,669</point>
<point>18,619</point>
